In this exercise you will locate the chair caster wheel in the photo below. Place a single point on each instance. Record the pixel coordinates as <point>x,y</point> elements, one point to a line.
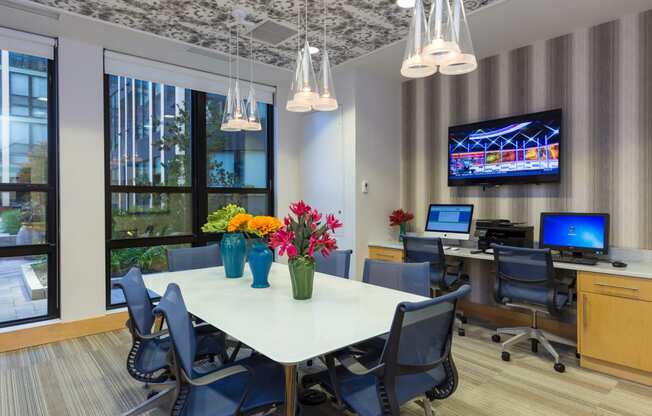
<point>495,338</point>
<point>505,356</point>
<point>535,346</point>
<point>461,332</point>
<point>577,355</point>
<point>560,368</point>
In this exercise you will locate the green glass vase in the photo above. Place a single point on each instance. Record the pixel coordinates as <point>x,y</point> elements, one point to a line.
<point>302,274</point>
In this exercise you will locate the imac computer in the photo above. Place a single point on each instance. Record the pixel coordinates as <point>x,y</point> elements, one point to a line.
<point>578,237</point>
<point>449,221</point>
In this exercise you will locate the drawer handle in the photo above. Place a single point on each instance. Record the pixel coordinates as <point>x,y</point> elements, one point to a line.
<point>585,304</point>
<point>633,289</point>
<point>387,256</point>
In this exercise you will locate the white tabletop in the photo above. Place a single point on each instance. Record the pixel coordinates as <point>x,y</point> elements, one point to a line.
<point>341,312</point>
<point>640,269</point>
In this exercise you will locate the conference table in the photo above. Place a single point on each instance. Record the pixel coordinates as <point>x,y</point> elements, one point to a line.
<point>341,312</point>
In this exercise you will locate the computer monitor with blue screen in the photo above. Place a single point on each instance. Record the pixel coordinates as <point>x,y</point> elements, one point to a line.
<point>576,233</point>
<point>449,221</point>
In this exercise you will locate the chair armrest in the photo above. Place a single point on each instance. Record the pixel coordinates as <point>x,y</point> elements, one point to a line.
<point>354,366</point>
<point>218,375</point>
<point>154,335</point>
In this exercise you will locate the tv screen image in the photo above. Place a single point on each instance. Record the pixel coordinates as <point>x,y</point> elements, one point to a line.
<point>512,150</point>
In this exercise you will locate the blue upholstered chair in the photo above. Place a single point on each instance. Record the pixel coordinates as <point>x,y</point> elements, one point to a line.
<point>337,263</point>
<point>407,277</point>
<point>194,258</point>
<point>416,362</point>
<point>252,384</point>
<point>442,275</point>
<point>148,360</point>
<point>525,280</point>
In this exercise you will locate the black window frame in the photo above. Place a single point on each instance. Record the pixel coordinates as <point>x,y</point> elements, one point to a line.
<point>51,188</point>
<point>198,189</point>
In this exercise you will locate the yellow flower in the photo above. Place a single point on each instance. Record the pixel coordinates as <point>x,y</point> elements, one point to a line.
<point>262,225</point>
<point>239,222</point>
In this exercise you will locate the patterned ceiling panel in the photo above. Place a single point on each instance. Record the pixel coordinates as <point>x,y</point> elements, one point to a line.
<point>355,27</point>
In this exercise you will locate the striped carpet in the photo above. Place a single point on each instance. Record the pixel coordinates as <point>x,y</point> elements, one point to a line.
<point>87,377</point>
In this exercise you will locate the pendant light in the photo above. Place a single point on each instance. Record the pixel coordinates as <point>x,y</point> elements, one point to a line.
<point>442,42</point>
<point>293,105</point>
<point>307,92</point>
<point>227,114</point>
<point>327,100</point>
<point>253,122</point>
<point>463,60</point>
<point>416,64</point>
<point>238,120</point>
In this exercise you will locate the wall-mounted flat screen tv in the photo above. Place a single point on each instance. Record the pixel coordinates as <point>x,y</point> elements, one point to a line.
<point>521,149</point>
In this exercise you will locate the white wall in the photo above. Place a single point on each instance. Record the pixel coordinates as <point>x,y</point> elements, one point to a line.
<point>81,126</point>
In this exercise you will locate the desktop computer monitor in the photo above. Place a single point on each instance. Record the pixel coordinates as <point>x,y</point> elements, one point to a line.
<point>449,221</point>
<point>575,232</point>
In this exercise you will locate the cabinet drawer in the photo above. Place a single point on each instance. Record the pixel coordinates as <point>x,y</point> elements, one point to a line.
<point>612,285</point>
<point>386,254</point>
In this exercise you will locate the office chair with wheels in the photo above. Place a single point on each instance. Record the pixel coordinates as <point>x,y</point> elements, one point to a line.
<point>194,258</point>
<point>416,362</point>
<point>148,360</point>
<point>525,280</point>
<point>336,264</point>
<point>445,277</point>
<point>249,385</point>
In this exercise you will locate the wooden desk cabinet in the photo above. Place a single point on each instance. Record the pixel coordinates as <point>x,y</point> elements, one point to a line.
<point>614,328</point>
<point>386,254</point>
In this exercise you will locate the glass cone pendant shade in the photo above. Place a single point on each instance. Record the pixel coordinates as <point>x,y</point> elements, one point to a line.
<point>327,100</point>
<point>416,64</point>
<point>293,105</point>
<point>227,115</point>
<point>306,92</point>
<point>239,119</point>
<point>462,61</point>
<point>442,41</point>
<point>253,122</point>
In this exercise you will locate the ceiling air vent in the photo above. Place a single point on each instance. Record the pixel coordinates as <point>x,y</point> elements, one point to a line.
<point>272,33</point>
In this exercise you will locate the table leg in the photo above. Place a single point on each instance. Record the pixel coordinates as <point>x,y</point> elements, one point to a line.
<point>290,389</point>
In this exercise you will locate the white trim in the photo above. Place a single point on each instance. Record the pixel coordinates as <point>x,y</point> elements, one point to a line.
<point>130,66</point>
<point>21,42</point>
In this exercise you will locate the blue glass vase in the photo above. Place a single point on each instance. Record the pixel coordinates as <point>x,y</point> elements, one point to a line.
<point>233,249</point>
<point>260,262</point>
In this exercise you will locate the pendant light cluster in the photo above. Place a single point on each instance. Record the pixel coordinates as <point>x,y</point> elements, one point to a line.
<point>306,92</point>
<point>238,114</point>
<point>440,43</point>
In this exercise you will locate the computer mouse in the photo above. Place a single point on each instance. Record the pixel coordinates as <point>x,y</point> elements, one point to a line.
<point>619,264</point>
<point>455,249</point>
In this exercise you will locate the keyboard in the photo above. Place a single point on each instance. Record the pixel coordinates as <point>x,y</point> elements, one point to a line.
<point>575,260</point>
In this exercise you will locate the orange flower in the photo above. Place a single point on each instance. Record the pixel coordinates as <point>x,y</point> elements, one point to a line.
<point>262,225</point>
<point>239,223</point>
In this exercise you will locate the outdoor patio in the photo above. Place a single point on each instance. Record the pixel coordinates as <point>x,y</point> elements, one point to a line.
<point>15,302</point>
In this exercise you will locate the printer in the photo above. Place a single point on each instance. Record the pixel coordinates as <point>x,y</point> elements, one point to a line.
<point>503,232</point>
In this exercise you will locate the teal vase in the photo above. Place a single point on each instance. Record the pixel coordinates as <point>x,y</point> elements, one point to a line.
<point>233,249</point>
<point>401,231</point>
<point>260,262</point>
<point>302,274</point>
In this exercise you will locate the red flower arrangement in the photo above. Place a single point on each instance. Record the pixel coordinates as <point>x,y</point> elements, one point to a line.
<point>399,217</point>
<point>304,233</point>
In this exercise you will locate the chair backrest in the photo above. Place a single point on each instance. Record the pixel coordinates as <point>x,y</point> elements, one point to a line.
<point>408,277</point>
<point>421,249</point>
<point>421,332</point>
<point>139,305</point>
<point>194,258</point>
<point>337,263</point>
<point>523,268</point>
<point>182,332</point>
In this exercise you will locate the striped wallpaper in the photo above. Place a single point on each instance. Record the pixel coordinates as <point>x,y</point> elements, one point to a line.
<point>602,79</point>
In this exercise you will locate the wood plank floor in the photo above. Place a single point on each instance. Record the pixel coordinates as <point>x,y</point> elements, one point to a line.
<point>87,376</point>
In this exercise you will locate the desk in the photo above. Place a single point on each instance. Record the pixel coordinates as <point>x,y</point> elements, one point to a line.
<point>342,312</point>
<point>614,310</point>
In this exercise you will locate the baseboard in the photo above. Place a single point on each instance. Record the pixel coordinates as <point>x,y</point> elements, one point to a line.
<point>61,331</point>
<point>616,370</point>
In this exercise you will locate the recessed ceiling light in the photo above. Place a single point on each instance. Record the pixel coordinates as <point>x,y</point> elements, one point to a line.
<point>313,50</point>
<point>406,4</point>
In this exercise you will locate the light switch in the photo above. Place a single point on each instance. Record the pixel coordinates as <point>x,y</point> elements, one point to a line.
<point>365,187</point>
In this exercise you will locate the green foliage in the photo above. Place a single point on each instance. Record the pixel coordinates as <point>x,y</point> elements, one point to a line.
<point>11,221</point>
<point>218,221</point>
<point>148,259</point>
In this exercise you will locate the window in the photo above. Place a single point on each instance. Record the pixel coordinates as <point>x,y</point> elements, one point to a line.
<point>168,166</point>
<point>28,219</point>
